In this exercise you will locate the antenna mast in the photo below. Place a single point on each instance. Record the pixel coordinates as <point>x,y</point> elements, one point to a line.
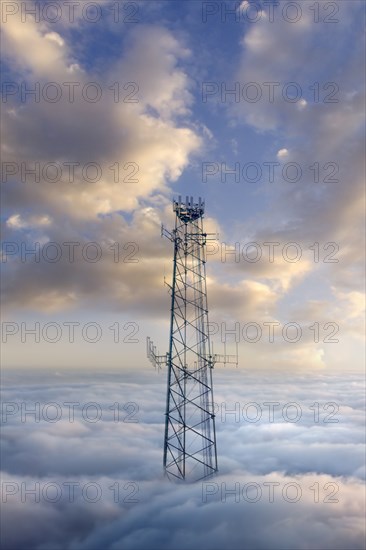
<point>190,438</point>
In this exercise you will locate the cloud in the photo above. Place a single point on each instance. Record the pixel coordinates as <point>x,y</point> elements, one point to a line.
<point>15,221</point>
<point>55,37</point>
<point>299,460</point>
<point>151,140</point>
<point>323,210</point>
<point>136,131</point>
<point>161,135</point>
<point>249,298</point>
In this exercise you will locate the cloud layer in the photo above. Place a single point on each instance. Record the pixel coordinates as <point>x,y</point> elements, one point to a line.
<point>314,466</point>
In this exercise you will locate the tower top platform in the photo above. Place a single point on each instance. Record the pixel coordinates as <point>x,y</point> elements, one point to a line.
<point>188,211</point>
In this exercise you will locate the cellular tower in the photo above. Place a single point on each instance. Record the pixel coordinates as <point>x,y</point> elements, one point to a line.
<point>190,438</point>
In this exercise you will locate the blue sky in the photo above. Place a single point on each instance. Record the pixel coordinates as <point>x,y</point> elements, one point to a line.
<point>172,138</point>
<point>77,311</point>
<point>173,52</point>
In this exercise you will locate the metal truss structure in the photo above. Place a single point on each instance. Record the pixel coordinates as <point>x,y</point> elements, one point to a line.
<point>190,438</point>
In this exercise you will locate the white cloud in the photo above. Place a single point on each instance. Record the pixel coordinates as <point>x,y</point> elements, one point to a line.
<point>17,222</point>
<point>142,138</point>
<point>151,141</point>
<point>55,37</point>
<point>302,103</point>
<point>311,460</point>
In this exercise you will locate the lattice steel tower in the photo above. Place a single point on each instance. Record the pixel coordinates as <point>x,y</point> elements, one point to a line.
<point>190,438</point>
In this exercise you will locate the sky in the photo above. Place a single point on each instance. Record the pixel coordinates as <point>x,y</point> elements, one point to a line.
<point>110,110</point>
